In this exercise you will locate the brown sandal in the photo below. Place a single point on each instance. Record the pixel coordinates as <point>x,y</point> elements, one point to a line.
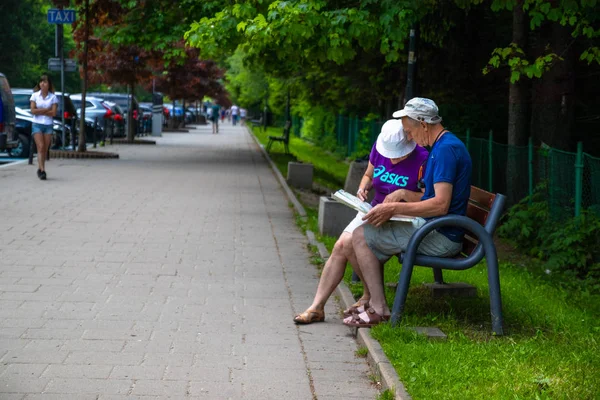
<point>310,316</point>
<point>356,308</point>
<point>366,319</point>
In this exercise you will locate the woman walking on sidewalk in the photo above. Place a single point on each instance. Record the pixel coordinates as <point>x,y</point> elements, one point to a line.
<point>43,107</point>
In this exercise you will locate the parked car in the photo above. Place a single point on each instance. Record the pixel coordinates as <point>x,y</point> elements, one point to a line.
<point>105,112</point>
<point>146,117</point>
<point>122,100</point>
<point>9,137</point>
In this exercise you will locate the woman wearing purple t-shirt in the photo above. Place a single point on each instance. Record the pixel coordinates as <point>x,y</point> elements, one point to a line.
<point>395,167</point>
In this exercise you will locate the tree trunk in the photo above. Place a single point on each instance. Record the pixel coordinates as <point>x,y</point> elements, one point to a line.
<point>518,112</point>
<point>81,146</point>
<point>553,116</point>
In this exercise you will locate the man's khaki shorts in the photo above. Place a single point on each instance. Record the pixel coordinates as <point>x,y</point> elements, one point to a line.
<point>392,238</point>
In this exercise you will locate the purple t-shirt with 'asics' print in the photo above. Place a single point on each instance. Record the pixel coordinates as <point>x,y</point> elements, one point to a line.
<point>388,177</point>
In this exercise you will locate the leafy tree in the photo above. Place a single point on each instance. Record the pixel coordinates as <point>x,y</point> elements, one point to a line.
<point>560,32</point>
<point>124,50</point>
<point>27,43</point>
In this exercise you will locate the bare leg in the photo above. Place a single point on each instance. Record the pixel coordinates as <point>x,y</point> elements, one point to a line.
<point>41,154</point>
<point>47,143</point>
<point>333,272</point>
<point>372,272</point>
<point>351,255</point>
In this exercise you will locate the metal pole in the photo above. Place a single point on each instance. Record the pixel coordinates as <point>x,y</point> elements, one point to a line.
<point>94,132</point>
<point>412,60</point>
<point>468,139</point>
<point>530,157</point>
<point>490,161</point>
<point>288,106</point>
<point>62,80</point>
<point>578,178</point>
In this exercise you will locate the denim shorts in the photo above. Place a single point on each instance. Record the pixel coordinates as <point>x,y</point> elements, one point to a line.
<point>392,238</point>
<point>39,128</point>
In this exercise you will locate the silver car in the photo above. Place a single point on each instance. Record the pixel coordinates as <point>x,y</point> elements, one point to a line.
<point>105,112</point>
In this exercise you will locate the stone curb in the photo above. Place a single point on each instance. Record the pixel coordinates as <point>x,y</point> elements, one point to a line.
<point>135,141</point>
<point>177,130</point>
<point>299,209</point>
<point>81,154</point>
<point>380,365</point>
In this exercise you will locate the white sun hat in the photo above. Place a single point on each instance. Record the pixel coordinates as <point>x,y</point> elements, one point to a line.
<point>392,142</point>
<point>421,109</point>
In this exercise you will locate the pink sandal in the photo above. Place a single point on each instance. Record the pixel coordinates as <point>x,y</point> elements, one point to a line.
<point>366,319</point>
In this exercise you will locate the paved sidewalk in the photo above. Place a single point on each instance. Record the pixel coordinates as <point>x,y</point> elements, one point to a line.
<point>172,272</point>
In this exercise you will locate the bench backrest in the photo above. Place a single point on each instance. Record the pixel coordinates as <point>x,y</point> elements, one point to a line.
<point>286,130</point>
<point>480,204</point>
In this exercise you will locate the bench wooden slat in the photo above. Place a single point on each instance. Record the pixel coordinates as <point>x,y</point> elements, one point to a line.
<point>469,244</point>
<point>478,210</point>
<point>477,213</point>
<point>482,197</point>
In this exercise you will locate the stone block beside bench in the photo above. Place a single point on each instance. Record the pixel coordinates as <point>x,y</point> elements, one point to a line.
<point>300,175</point>
<point>333,216</point>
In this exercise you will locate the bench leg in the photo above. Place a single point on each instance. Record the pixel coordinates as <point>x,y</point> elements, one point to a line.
<point>438,276</point>
<point>494,285</point>
<point>287,149</point>
<point>269,145</point>
<point>402,291</point>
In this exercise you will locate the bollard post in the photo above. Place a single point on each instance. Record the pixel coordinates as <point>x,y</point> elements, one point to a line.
<point>112,131</point>
<point>94,131</point>
<point>73,132</point>
<point>104,130</point>
<point>31,147</point>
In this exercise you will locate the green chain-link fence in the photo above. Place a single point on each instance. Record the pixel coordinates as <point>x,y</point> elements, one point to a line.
<point>572,179</point>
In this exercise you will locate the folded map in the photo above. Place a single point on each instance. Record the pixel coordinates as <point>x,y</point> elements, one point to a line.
<point>362,206</point>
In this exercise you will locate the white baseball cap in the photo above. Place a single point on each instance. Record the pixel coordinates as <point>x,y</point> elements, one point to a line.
<point>392,142</point>
<point>421,109</point>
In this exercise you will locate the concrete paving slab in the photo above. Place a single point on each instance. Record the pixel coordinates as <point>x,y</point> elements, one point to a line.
<point>171,272</point>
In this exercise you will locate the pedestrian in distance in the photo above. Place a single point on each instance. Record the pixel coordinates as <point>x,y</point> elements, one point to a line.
<point>234,114</point>
<point>394,170</point>
<point>43,105</point>
<point>243,114</point>
<point>447,182</point>
<point>214,115</point>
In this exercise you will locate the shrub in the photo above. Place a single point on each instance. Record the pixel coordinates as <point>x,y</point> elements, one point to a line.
<point>570,247</point>
<point>525,221</point>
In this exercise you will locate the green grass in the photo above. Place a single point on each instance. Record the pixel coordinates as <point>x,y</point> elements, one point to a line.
<point>551,348</point>
<point>361,352</point>
<point>386,395</point>
<point>329,170</point>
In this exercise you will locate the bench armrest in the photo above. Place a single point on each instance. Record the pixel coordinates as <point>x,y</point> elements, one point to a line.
<point>451,220</point>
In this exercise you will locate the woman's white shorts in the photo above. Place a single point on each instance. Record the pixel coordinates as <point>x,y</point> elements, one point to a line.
<point>355,223</point>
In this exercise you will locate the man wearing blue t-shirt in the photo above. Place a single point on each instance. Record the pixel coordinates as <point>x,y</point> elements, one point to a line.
<point>447,183</point>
